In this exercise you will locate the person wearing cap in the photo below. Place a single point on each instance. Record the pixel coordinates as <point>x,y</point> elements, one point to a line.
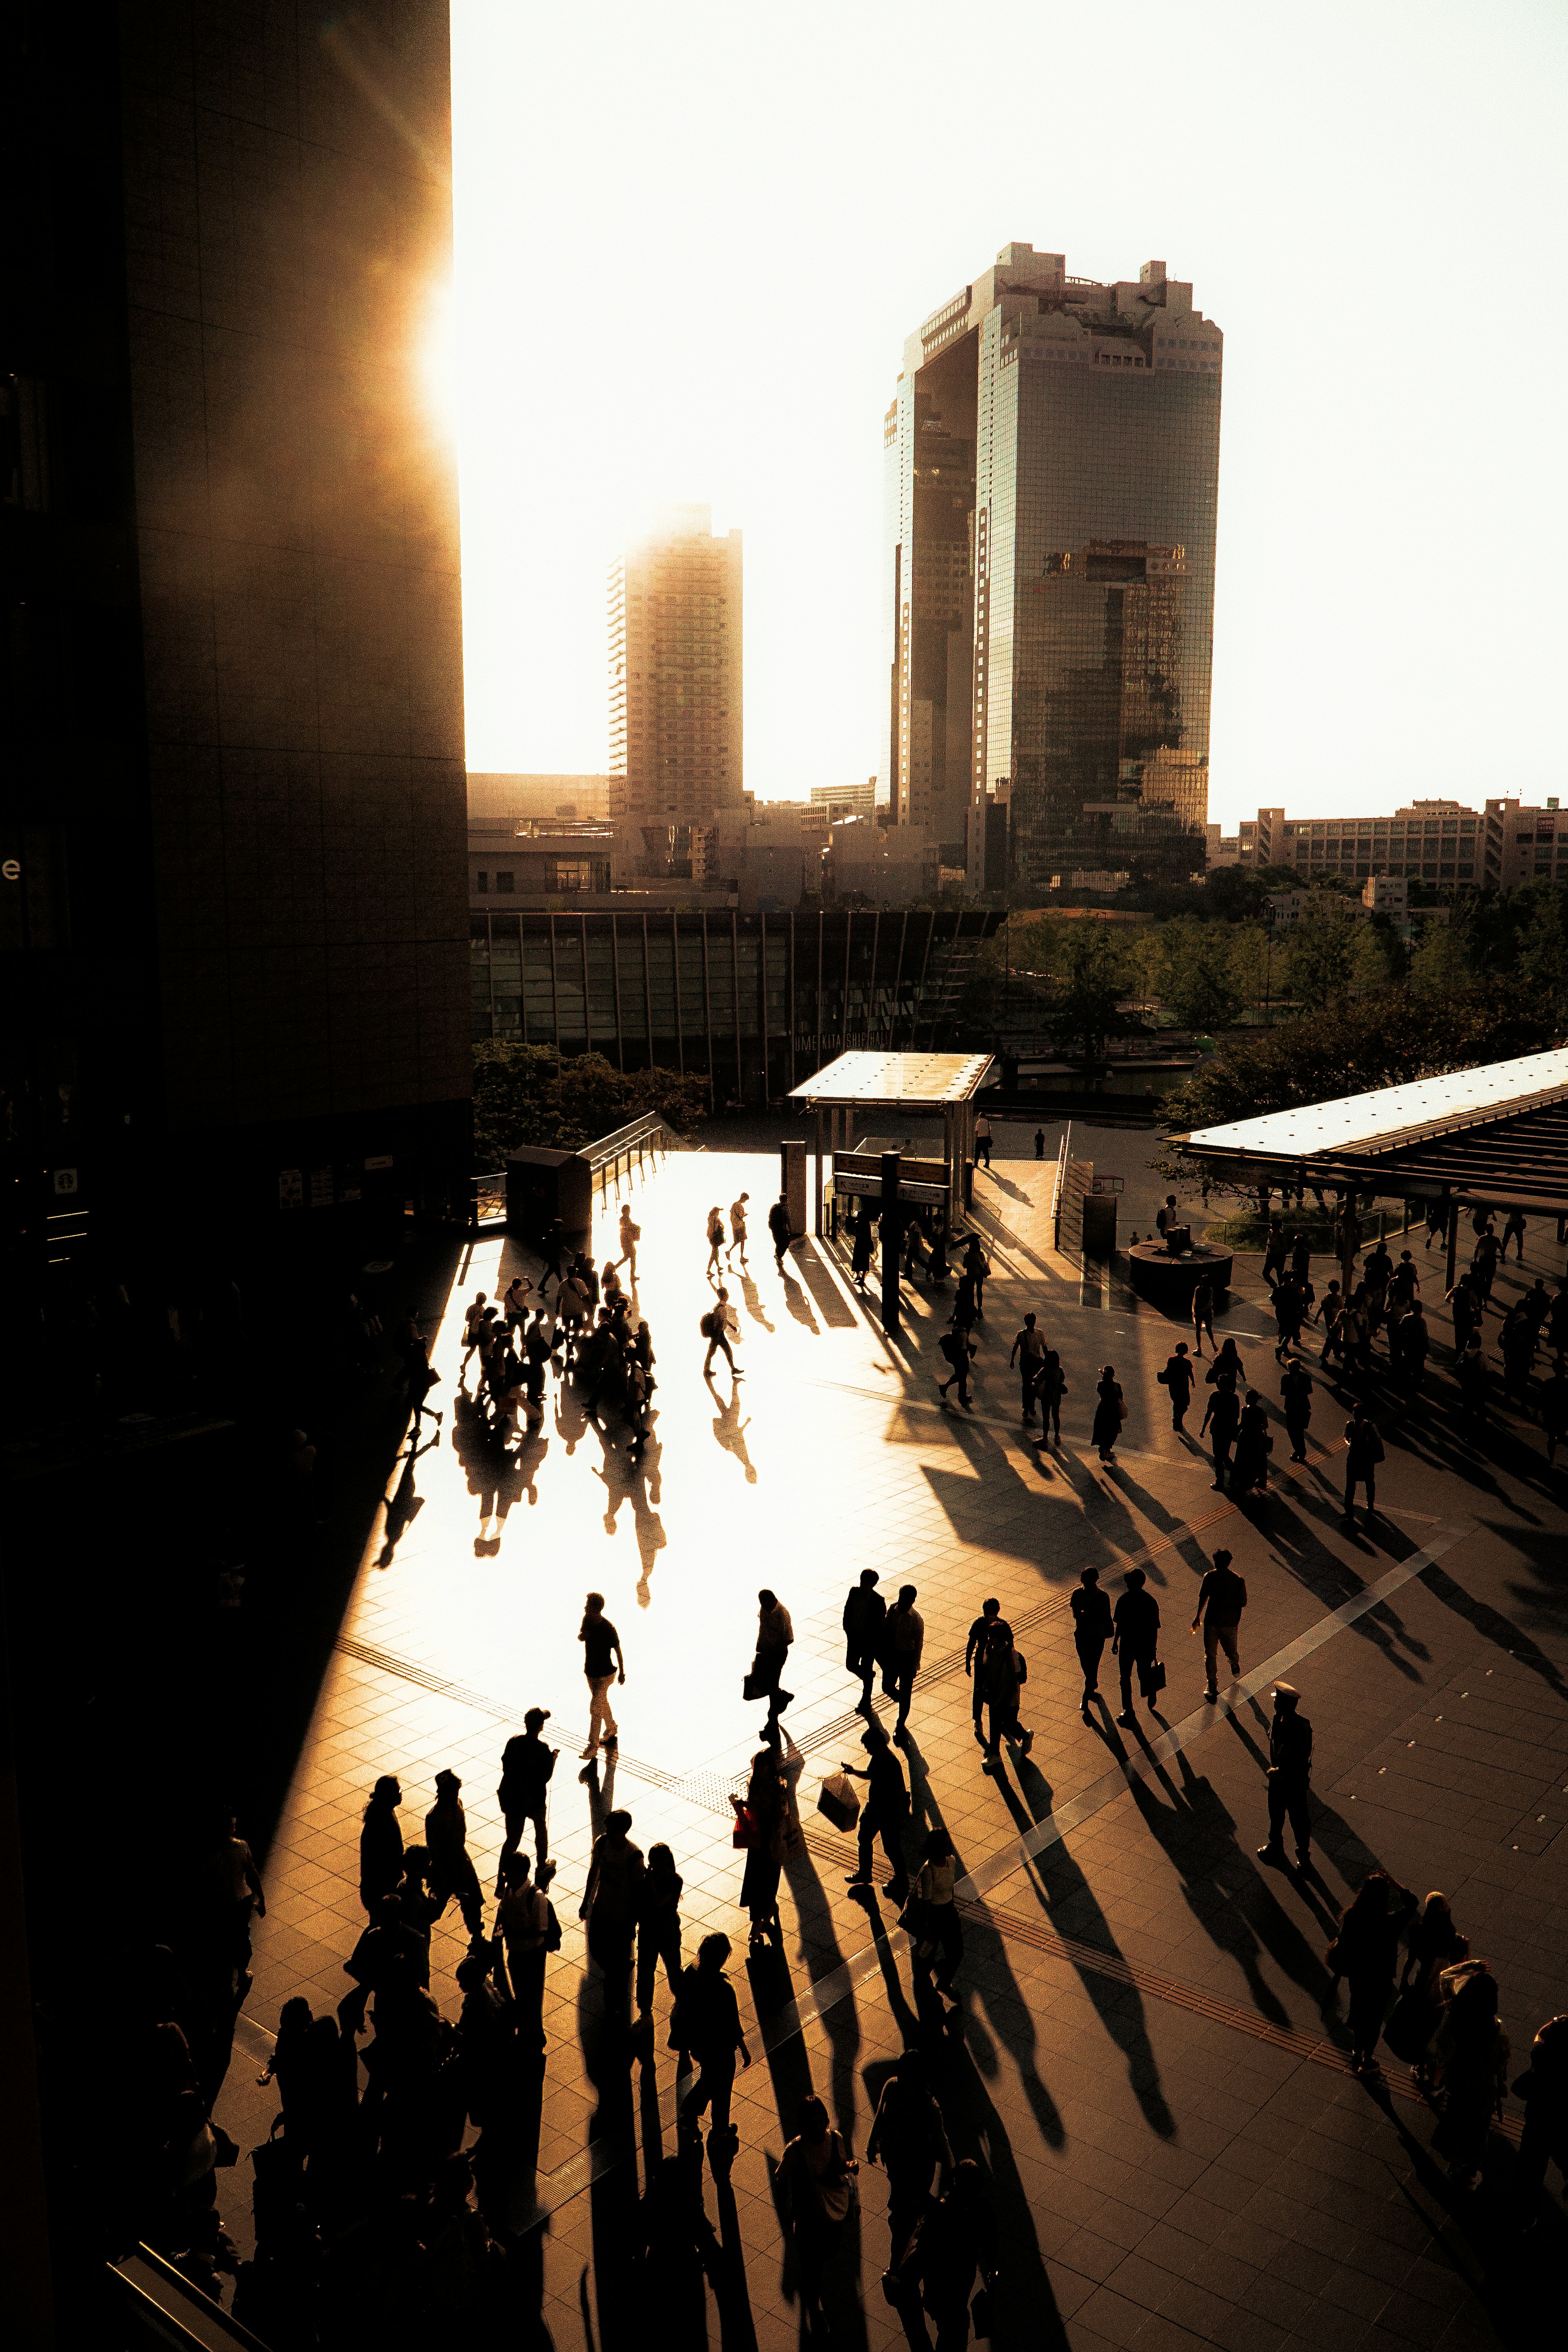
<point>1289,1775</point>
<point>1221,1597</point>
<point>865,1613</point>
<point>526,1765</point>
<point>446,1843</point>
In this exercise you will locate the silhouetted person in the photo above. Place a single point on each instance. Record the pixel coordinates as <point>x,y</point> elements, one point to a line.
<point>1471,2053</point>
<point>775,1634</point>
<point>603,1663</point>
<point>1028,1354</point>
<point>1296,1400</point>
<point>988,1627</point>
<point>1363,1452</point>
<point>1221,1597</point>
<point>816,2178</point>
<point>708,2025</point>
<point>1004,1689</point>
<point>658,1926</point>
<point>936,2270</point>
<point>1222,1415</point>
<point>1290,1778</point>
<point>904,1636</point>
<point>1365,1953</point>
<point>909,2140</point>
<point>526,1765</point>
<point>446,1841</point>
<point>611,1902</point>
<point>1039,1143</point>
<point>865,1612</point>
<point>1109,1413</point>
<point>381,1844</point>
<point>1136,1641</point>
<point>1092,1627</point>
<point>779,1227</point>
<point>1543,2087</point>
<point>940,1937</point>
<point>885,1813</point>
<point>1177,1378</point>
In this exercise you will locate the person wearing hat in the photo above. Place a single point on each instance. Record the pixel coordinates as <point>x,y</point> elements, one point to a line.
<point>446,1843</point>
<point>526,1765</point>
<point>1290,1775</point>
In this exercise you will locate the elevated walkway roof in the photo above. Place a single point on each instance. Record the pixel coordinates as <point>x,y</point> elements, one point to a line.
<point>919,1081</point>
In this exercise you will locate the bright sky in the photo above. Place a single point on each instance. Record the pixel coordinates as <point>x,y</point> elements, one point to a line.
<point>691,240</point>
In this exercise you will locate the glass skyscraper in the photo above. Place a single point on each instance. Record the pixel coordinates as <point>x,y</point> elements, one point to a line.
<point>1052,473</point>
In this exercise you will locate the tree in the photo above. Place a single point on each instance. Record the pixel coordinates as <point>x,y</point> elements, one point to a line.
<point>1544,952</point>
<point>1321,958</point>
<point>1093,978</point>
<point>1376,959</point>
<point>1440,965</point>
<point>1148,967</point>
<point>1251,962</point>
<point>532,1095</point>
<point>1200,989</point>
<point>1380,1039</point>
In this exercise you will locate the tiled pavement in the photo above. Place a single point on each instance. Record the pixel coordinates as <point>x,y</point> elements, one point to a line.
<point>1169,2163</point>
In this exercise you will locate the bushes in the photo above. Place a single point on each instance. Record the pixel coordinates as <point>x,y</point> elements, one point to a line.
<point>531,1094</point>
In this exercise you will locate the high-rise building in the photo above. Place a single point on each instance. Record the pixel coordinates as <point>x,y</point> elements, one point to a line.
<point>1052,460</point>
<point>675,673</point>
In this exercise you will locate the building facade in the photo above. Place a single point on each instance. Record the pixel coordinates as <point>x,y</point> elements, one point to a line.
<point>232,913</point>
<point>755,1002</point>
<point>675,711</point>
<point>1438,841</point>
<point>1052,460</point>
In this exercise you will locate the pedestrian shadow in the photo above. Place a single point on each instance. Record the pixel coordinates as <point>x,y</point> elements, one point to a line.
<point>1065,1897</point>
<point>820,1950</point>
<point>729,1430</point>
<point>1544,1554</point>
<point>403,1504</point>
<point>754,1300</point>
<point>640,1485</point>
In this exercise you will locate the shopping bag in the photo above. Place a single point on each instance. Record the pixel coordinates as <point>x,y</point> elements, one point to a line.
<point>840,1799</point>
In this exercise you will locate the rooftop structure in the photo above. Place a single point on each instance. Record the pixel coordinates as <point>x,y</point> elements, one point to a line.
<point>916,1082</point>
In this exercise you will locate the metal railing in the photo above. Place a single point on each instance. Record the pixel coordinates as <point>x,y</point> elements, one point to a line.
<point>486,1200</point>
<point>645,1137</point>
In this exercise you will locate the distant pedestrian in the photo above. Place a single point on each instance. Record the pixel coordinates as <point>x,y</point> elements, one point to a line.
<point>612,1902</point>
<point>884,1815</point>
<point>1290,1778</point>
<point>958,1347</point>
<point>862,1243</point>
<point>1092,1627</point>
<point>715,1327</point>
<point>630,1235</point>
<point>603,1664</point>
<point>1136,1643</point>
<point>516,1301</point>
<point>1252,1446</point>
<point>983,1140</point>
<point>775,1634</point>
<point>1039,1143</point>
<point>865,1613</point>
<point>1109,1413</point>
<point>905,1635</point>
<point>1167,1217</point>
<point>1484,1263</point>
<point>1202,1311</point>
<point>1222,1414</point>
<point>1005,1678</point>
<point>526,1766</point>
<point>988,1627</point>
<point>1221,1597</point>
<point>1177,1378</point>
<point>1513,1231</point>
<point>1363,1452</point>
<point>1050,1388</point>
<point>422,1377</point>
<point>452,1871</point>
<point>1028,1353</point>
<point>523,1922</point>
<point>1296,1402</point>
<point>779,1226</point>
<point>1365,1952</point>
<point>737,1228</point>
<point>473,1325</point>
<point>976,1266</point>
<point>708,2025</point>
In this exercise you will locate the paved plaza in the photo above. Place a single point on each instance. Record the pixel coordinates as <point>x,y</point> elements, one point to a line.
<point>1151,2068</point>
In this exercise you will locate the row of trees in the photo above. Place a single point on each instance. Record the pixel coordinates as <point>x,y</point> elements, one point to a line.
<point>532,1095</point>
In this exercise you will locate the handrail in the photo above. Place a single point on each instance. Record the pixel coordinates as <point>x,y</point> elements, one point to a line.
<point>157,2306</point>
<point>1061,1182</point>
<point>650,1134</point>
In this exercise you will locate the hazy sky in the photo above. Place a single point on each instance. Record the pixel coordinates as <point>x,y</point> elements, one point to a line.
<point>691,240</point>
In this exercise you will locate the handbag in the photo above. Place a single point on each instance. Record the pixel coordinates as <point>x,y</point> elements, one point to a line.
<point>1154,1682</point>
<point>840,1799</point>
<point>755,1685</point>
<point>744,1833</point>
<point>1412,2021</point>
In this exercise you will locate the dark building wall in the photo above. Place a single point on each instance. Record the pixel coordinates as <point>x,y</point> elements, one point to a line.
<point>233,780</point>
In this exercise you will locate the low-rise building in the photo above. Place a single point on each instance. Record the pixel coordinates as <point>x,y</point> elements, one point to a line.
<point>1438,841</point>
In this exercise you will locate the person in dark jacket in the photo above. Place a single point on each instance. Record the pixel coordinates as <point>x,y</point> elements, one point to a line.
<point>1365,1953</point>
<point>1543,2087</point>
<point>1178,1377</point>
<point>1290,1775</point>
<point>886,1813</point>
<point>779,1227</point>
<point>381,1844</point>
<point>1296,1399</point>
<point>989,1631</point>
<point>1363,1452</point>
<point>865,1613</point>
<point>1222,1414</point>
<point>1092,1627</point>
<point>1108,1413</point>
<point>1221,1597</point>
<point>1135,1640</point>
<point>1251,1470</point>
<point>708,2024</point>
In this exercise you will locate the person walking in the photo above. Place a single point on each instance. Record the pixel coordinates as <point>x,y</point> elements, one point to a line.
<point>779,1227</point>
<point>708,2026</point>
<point>1109,1413</point>
<point>988,1627</point>
<point>760,1817</point>
<point>612,1901</point>
<point>884,1815</point>
<point>1470,2050</point>
<point>1513,1231</point>
<point>1006,1674</point>
<point>381,1844</point>
<point>1050,1388</point>
<point>1252,1446</point>
<point>1135,1642</point>
<point>1543,2087</point>
<point>1092,1627</point>
<point>905,1636</point>
<point>1177,1378</point>
<point>958,1349</point>
<point>630,1237</point>
<point>775,1634</point>
<point>1365,1953</point>
<point>524,1918</point>
<point>983,1140</point>
<point>865,1613</point>
<point>1290,1778</point>
<point>815,2181</point>
<point>1221,1597</point>
<point>715,1238</point>
<point>603,1663</point>
<point>737,1228</point>
<point>1296,1399</point>
<point>515,1303</point>
<point>976,1266</point>
<point>940,1927</point>
<point>473,1325</point>
<point>1290,1304</point>
<point>422,1377</point>
<point>658,1927</point>
<point>1202,1311</point>
<point>1363,1452</point>
<point>861,1245</point>
<point>446,1843</point>
<point>526,1766</point>
<point>714,1328</point>
<point>1484,1263</point>
<point>1276,1252</point>
<point>908,2139</point>
<point>1028,1354</point>
<point>1039,1143</point>
<point>1223,1415</point>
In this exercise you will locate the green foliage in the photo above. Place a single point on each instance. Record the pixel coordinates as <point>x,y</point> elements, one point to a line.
<point>1093,977</point>
<point>1439,964</point>
<point>1381,1039</point>
<point>531,1094</point>
<point>1200,988</point>
<point>1256,967</point>
<point>1544,952</point>
<point>1321,958</point>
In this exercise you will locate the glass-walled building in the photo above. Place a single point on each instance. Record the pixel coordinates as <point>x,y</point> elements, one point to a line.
<point>755,1002</point>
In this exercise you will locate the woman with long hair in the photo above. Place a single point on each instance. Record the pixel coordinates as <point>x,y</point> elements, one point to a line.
<point>763,1810</point>
<point>816,2178</point>
<point>1471,2054</point>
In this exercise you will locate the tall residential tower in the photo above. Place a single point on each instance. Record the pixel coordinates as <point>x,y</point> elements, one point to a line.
<point>1052,468</point>
<point>675,673</point>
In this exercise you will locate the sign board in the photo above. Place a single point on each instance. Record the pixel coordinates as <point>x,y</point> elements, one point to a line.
<point>379,1159</point>
<point>65,1180</point>
<point>290,1188</point>
<point>870,1188</point>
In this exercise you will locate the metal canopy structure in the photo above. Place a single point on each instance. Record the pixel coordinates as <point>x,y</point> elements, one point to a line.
<point>1497,1135</point>
<point>931,1085</point>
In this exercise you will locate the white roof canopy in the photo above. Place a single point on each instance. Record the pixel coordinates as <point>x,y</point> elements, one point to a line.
<point>1390,1116</point>
<point>914,1081</point>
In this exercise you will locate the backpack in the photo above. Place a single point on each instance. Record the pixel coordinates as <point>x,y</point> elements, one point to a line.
<point>707,1325</point>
